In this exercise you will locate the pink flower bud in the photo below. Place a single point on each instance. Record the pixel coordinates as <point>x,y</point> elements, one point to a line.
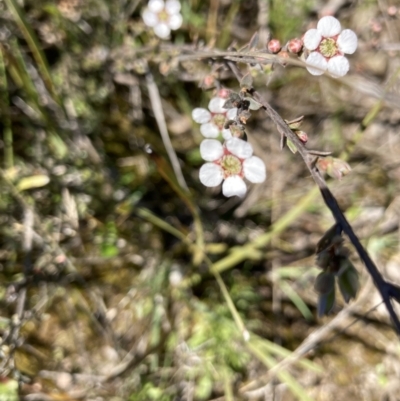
<point>376,26</point>
<point>208,81</point>
<point>392,11</point>
<point>302,136</point>
<point>295,45</point>
<point>224,93</point>
<point>274,46</point>
<point>334,167</point>
<point>283,54</point>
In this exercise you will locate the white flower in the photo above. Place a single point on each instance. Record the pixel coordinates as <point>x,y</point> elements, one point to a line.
<point>213,121</point>
<point>328,44</point>
<point>230,163</point>
<point>163,16</point>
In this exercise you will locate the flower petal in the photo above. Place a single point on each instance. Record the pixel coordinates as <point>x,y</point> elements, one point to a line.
<point>338,66</point>
<point>347,41</point>
<point>175,21</point>
<point>211,150</point>
<point>234,186</point>
<point>312,38</point>
<point>239,148</point>
<point>150,18</point>
<point>211,174</point>
<point>216,105</point>
<point>209,130</point>
<point>172,6</point>
<point>329,26</point>
<point>315,59</point>
<point>232,113</point>
<point>162,30</point>
<point>226,134</point>
<point>156,5</point>
<point>201,115</point>
<point>254,169</point>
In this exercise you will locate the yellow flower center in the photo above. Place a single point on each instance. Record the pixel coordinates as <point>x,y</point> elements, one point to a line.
<point>163,16</point>
<point>231,165</point>
<point>219,120</point>
<point>328,47</point>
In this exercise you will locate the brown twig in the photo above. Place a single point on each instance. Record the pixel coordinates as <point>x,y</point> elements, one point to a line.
<point>386,289</point>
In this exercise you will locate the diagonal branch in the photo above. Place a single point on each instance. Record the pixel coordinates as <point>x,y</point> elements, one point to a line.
<point>386,289</point>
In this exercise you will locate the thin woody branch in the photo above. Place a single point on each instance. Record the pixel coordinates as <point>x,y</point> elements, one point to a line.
<point>387,290</point>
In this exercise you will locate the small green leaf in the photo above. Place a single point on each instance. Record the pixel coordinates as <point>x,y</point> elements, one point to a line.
<point>254,105</point>
<point>9,390</point>
<point>204,387</point>
<point>324,283</point>
<point>233,101</point>
<point>254,41</point>
<point>34,181</point>
<point>57,145</point>
<point>323,259</point>
<point>247,81</point>
<point>109,250</point>
<point>326,302</point>
<point>291,146</point>
<point>295,124</point>
<point>349,283</point>
<point>331,237</point>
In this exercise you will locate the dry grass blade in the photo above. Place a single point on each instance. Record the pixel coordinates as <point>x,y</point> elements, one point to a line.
<point>162,126</point>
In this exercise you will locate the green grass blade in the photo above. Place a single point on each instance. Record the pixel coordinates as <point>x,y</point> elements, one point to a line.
<point>33,44</point>
<point>281,352</point>
<point>5,109</point>
<point>239,254</point>
<point>296,299</point>
<point>284,376</point>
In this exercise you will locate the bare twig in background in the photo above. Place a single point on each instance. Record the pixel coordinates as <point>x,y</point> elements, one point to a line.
<point>162,126</point>
<point>313,340</point>
<point>361,84</point>
<point>331,7</point>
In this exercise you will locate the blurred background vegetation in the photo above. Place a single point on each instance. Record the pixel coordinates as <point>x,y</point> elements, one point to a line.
<point>115,283</point>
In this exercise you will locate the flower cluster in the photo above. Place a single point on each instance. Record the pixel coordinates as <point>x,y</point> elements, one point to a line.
<point>322,48</point>
<point>229,162</point>
<point>327,45</point>
<point>163,16</point>
<point>213,120</point>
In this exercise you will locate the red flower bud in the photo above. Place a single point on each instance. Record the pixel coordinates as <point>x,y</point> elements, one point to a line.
<point>224,93</point>
<point>208,81</point>
<point>274,46</point>
<point>302,136</point>
<point>334,167</point>
<point>392,11</point>
<point>283,54</point>
<point>295,46</point>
